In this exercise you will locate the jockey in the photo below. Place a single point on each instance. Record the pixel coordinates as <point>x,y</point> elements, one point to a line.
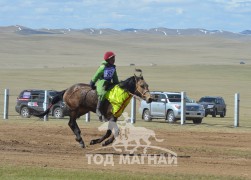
<point>104,76</point>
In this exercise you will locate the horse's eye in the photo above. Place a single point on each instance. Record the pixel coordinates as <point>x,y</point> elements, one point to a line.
<point>142,86</point>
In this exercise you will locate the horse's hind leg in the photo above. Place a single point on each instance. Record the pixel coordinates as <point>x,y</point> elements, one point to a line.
<point>96,141</point>
<point>74,127</point>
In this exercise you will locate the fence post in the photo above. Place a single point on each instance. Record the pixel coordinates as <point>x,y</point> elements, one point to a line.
<point>6,104</point>
<point>133,110</point>
<point>87,117</point>
<point>45,104</point>
<point>236,109</point>
<point>183,108</point>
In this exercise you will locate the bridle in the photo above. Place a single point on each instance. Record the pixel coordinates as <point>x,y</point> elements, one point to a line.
<point>137,90</point>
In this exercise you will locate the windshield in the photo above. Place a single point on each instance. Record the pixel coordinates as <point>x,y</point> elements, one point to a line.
<point>189,100</point>
<point>177,98</point>
<point>53,93</point>
<point>209,100</point>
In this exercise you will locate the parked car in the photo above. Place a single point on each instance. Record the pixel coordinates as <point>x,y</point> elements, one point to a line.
<point>167,105</point>
<point>214,105</point>
<point>34,99</point>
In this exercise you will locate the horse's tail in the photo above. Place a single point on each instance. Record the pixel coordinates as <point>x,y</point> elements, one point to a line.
<point>54,100</point>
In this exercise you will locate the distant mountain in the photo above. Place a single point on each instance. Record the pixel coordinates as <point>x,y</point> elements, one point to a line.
<point>28,31</point>
<point>21,30</point>
<point>246,32</point>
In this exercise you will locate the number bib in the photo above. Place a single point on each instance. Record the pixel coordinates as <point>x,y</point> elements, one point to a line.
<point>108,73</point>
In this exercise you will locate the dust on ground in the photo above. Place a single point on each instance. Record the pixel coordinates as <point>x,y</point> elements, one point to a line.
<point>52,145</point>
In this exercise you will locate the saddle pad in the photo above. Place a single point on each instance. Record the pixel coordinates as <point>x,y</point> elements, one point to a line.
<point>119,99</point>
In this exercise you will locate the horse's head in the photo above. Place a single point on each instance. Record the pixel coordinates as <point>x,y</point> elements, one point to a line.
<point>136,85</point>
<point>141,89</point>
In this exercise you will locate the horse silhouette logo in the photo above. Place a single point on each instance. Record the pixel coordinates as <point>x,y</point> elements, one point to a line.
<point>129,137</point>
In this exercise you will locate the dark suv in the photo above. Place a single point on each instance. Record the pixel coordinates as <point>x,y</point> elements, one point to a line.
<point>34,99</point>
<point>213,105</point>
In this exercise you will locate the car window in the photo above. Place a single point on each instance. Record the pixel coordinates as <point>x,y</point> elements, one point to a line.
<point>174,97</point>
<point>26,95</point>
<point>161,96</point>
<point>155,97</point>
<point>34,97</point>
<point>221,101</point>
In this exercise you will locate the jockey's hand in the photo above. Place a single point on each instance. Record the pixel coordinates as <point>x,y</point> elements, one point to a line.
<point>92,84</point>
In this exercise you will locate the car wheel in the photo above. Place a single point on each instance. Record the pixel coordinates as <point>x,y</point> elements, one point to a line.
<point>25,112</point>
<point>58,113</point>
<point>170,116</point>
<point>197,121</point>
<point>146,115</point>
<point>223,113</point>
<point>214,113</point>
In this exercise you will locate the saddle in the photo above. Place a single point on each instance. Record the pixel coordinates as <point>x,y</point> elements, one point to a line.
<point>119,99</point>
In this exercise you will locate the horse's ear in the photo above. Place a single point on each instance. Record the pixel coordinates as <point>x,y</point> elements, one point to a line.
<point>139,70</point>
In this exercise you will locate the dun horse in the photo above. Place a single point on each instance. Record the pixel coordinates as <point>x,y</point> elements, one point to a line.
<point>80,99</point>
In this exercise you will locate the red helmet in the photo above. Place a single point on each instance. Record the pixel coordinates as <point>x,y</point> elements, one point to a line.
<point>108,55</point>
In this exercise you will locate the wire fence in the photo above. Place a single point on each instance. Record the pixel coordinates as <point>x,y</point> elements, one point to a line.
<point>242,112</point>
<point>9,102</point>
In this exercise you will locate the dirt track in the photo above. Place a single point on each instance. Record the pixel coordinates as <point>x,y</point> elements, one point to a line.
<point>52,145</point>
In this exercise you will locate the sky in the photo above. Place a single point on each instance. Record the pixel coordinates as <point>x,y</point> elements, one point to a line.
<point>228,15</point>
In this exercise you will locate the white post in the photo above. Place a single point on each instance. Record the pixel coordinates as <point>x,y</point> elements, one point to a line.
<point>6,104</point>
<point>133,110</point>
<point>236,109</point>
<point>87,117</point>
<point>45,104</point>
<point>183,108</point>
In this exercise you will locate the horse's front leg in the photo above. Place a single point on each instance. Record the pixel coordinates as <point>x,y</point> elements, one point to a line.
<point>113,125</point>
<point>74,127</point>
<point>109,141</point>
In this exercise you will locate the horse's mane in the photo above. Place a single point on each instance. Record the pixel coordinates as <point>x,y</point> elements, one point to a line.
<point>129,84</point>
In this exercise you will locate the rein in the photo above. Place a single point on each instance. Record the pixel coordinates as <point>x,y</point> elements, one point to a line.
<point>142,94</point>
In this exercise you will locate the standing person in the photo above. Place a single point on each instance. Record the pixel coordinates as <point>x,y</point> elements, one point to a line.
<point>104,76</point>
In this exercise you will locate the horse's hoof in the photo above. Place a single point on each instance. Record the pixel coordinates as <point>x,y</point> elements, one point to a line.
<point>92,142</point>
<point>105,144</point>
<point>82,146</point>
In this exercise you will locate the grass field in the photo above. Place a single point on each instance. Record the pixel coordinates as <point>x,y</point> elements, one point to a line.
<point>195,80</point>
<point>197,65</point>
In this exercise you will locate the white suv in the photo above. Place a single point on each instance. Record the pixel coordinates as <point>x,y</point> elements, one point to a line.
<point>167,105</point>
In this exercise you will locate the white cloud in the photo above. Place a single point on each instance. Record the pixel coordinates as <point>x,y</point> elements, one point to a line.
<point>179,11</point>
<point>41,10</point>
<point>235,6</point>
<point>117,15</point>
<point>121,14</point>
<point>67,9</point>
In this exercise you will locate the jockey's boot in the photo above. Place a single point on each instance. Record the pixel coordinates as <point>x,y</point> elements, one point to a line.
<point>99,106</point>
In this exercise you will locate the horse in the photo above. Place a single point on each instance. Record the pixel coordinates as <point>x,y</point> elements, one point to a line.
<point>80,99</point>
